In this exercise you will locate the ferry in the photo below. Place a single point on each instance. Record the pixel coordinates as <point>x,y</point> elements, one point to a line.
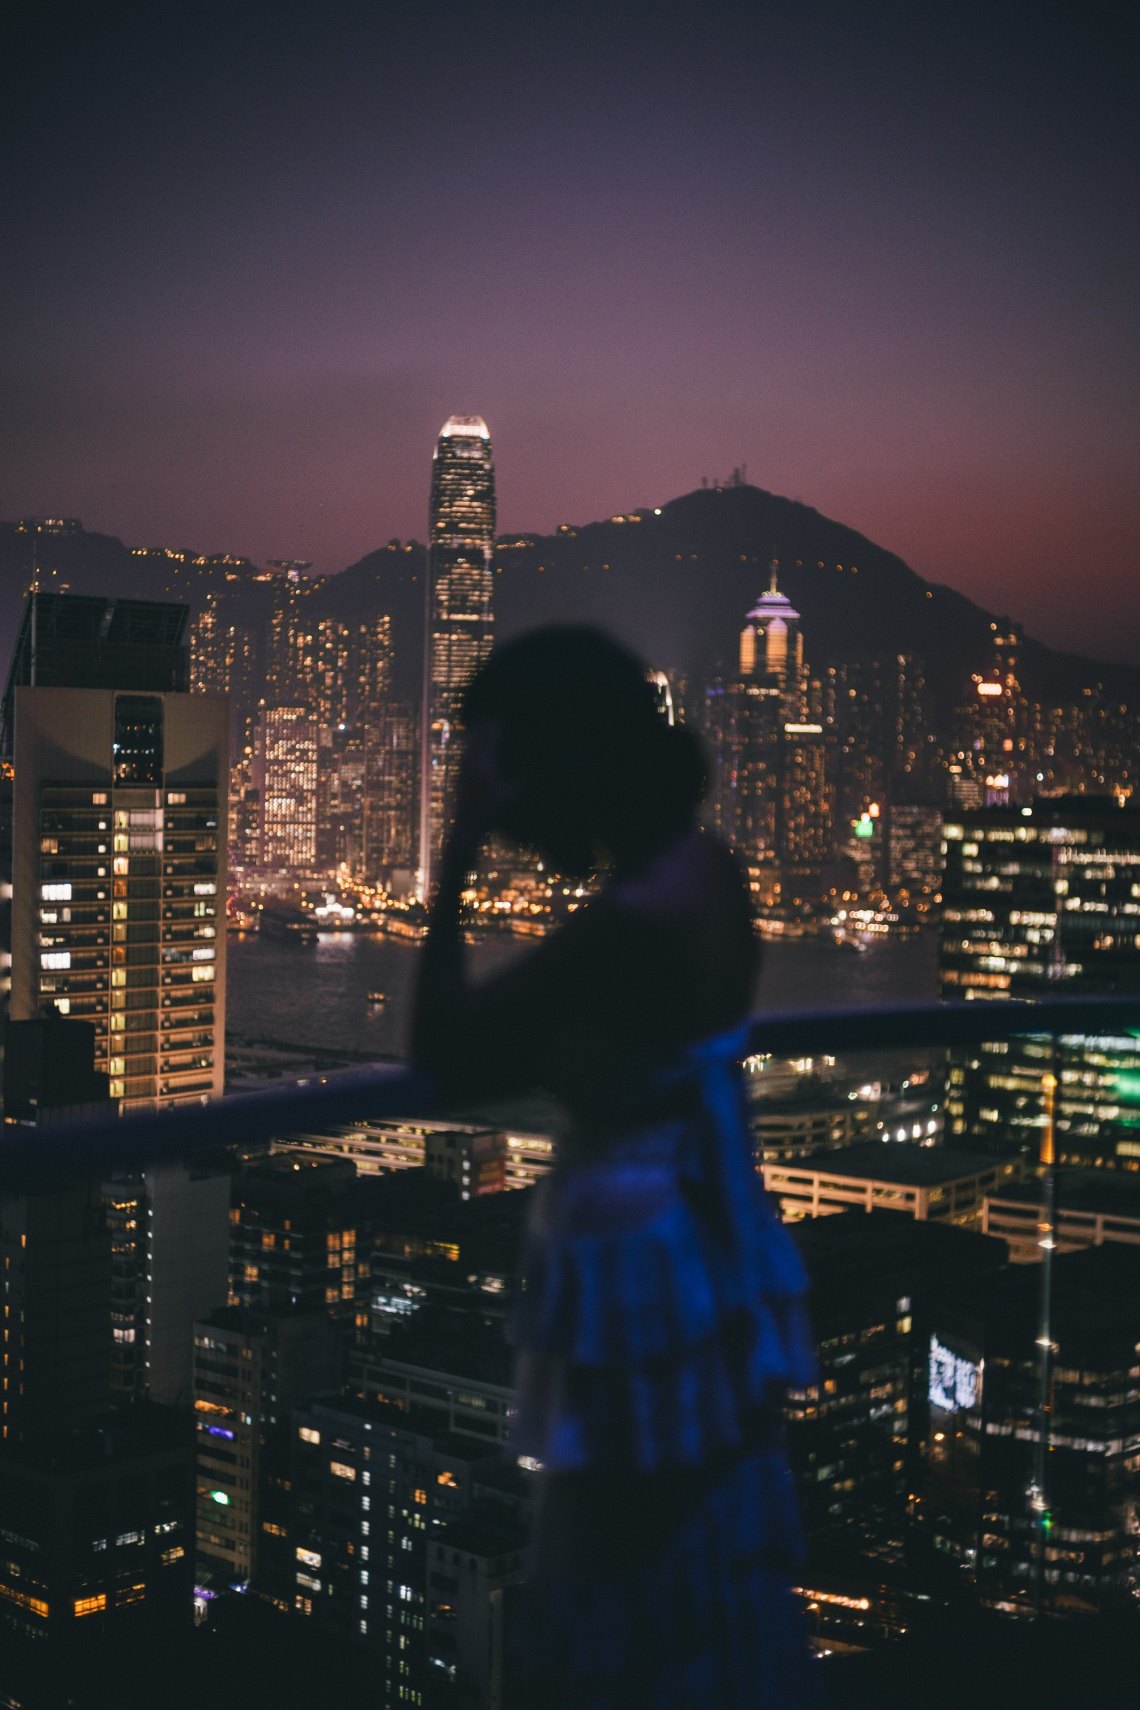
<point>290,924</point>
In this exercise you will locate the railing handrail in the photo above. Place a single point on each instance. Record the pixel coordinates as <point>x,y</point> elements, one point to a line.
<point>389,1092</point>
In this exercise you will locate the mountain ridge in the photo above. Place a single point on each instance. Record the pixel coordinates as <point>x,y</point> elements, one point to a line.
<point>676,581</point>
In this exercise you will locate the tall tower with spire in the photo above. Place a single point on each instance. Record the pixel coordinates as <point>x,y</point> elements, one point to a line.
<point>771,793</point>
<point>772,644</point>
<point>458,618</point>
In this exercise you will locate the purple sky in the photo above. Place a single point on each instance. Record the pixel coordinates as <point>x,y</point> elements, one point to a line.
<point>889,263</point>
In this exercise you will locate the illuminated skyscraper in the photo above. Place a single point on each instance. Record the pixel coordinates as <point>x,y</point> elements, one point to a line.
<point>286,774</point>
<point>119,842</point>
<point>771,789</point>
<point>1038,903</point>
<point>458,628</point>
<point>390,803</point>
<point>772,646</point>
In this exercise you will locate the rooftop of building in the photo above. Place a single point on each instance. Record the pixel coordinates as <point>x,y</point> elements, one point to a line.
<point>464,427</point>
<point>138,1431</point>
<point>773,604</point>
<point>856,1253</point>
<point>452,1343</point>
<point>261,1320</point>
<point>1092,1191</point>
<point>485,1530</point>
<point>315,1187</point>
<point>899,1163</point>
<point>1095,1306</point>
<point>415,1421</point>
<point>81,641</point>
<point>1057,811</point>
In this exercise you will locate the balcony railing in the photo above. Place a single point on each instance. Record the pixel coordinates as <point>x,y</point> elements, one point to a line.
<point>389,1092</point>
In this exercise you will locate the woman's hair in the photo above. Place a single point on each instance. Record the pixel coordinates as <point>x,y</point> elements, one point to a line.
<point>579,721</point>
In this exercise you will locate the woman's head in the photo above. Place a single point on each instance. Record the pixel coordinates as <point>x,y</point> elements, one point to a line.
<point>588,764</point>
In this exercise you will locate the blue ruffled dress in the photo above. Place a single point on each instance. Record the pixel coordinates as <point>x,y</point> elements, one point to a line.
<point>661,1324</point>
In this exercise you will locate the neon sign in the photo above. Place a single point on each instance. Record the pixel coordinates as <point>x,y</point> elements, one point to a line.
<point>955,1383</point>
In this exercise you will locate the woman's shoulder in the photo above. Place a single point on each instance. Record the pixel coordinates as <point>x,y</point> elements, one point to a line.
<point>692,872</point>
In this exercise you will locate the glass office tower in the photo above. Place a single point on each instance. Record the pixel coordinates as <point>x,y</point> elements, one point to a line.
<point>1042,902</point>
<point>459,625</point>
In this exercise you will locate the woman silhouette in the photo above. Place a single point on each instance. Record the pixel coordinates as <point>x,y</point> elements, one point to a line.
<point>661,1320</point>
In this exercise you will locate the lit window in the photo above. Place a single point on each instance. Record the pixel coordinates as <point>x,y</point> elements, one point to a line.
<point>308,1435</point>
<point>91,1605</point>
<point>340,1470</point>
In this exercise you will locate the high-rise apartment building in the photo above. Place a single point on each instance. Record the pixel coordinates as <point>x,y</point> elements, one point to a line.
<point>992,754</point>
<point>395,1546</point>
<point>95,1583</point>
<point>458,627</point>
<point>169,1230</point>
<point>914,846</point>
<point>55,1331</point>
<point>390,810</point>
<point>119,842</point>
<point>805,841</point>
<point>285,774</point>
<point>1038,902</point>
<point>250,1370</point>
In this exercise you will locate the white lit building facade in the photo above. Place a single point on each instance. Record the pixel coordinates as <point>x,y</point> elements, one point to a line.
<point>119,881</point>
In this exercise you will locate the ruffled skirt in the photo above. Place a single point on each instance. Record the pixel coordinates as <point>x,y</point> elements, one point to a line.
<point>657,1340</point>
<point>649,1336</point>
<point>667,1592</point>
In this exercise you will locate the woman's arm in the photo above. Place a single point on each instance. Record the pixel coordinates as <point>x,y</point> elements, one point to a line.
<point>443,992</point>
<point>484,1039</point>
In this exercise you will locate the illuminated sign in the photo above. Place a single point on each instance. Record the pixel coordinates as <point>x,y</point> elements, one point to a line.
<point>989,688</point>
<point>864,826</point>
<point>955,1383</point>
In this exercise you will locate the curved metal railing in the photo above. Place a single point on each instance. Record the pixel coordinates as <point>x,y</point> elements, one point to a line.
<point>392,1092</point>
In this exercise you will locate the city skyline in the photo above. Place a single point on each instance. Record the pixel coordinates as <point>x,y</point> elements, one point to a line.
<point>884,263</point>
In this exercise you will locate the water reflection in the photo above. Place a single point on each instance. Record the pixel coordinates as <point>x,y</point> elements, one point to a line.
<point>318,995</point>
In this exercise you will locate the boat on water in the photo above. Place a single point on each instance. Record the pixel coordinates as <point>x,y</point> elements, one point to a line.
<point>291,925</point>
<point>846,941</point>
<point>377,999</point>
<point>398,926</point>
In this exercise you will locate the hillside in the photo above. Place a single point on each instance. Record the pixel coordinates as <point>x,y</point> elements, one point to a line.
<point>676,582</point>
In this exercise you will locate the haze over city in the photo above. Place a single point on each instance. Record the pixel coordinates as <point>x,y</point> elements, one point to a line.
<point>887,263</point>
